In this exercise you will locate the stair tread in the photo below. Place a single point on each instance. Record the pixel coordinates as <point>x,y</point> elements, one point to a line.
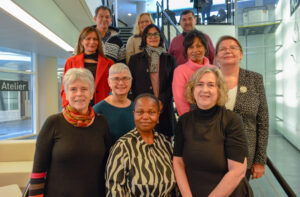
<point>125,33</point>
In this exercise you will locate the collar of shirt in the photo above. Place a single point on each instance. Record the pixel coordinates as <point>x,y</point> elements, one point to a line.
<point>107,35</point>
<point>196,66</point>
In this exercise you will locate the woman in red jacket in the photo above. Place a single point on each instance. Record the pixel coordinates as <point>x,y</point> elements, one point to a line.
<point>89,54</point>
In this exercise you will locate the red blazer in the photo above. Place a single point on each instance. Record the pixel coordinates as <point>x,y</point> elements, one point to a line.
<point>101,84</point>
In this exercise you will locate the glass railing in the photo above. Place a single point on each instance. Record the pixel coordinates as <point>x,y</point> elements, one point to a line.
<point>220,12</point>
<point>262,33</point>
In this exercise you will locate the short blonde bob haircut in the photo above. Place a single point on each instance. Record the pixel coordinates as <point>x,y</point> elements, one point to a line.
<point>136,29</point>
<point>81,74</point>
<point>83,34</point>
<point>221,84</point>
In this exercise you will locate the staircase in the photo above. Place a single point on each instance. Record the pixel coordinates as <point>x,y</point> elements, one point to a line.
<point>125,33</point>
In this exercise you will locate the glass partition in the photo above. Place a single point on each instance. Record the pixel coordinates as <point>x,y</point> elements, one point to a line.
<point>16,93</point>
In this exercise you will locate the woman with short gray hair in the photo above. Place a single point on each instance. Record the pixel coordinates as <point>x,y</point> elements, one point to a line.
<point>117,108</point>
<point>71,147</point>
<point>79,74</point>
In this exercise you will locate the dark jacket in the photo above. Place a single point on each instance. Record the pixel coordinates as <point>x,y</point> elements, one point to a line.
<point>251,105</point>
<point>141,83</point>
<point>113,46</point>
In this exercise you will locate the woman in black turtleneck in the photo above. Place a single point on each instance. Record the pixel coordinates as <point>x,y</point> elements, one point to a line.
<point>89,54</point>
<point>210,151</point>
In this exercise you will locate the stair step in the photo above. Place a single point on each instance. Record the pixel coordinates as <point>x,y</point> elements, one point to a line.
<point>125,33</point>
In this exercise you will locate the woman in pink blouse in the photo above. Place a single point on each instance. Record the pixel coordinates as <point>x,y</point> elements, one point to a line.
<point>195,48</point>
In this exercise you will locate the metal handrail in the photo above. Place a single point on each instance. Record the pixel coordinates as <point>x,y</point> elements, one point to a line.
<point>166,15</point>
<point>288,190</point>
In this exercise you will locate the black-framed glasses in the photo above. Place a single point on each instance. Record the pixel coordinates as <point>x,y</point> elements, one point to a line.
<point>154,34</point>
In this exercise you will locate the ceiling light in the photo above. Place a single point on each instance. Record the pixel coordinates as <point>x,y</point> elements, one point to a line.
<point>129,14</point>
<point>14,57</point>
<point>24,17</point>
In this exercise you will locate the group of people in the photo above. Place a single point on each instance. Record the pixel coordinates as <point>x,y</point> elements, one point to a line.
<point>118,135</point>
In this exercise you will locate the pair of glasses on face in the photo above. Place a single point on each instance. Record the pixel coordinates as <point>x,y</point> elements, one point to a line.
<point>119,79</point>
<point>231,48</point>
<point>153,35</point>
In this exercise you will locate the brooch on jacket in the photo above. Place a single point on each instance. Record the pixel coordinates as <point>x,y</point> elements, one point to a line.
<point>243,89</point>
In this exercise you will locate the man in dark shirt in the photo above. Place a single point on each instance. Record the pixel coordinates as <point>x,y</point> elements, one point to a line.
<point>112,44</point>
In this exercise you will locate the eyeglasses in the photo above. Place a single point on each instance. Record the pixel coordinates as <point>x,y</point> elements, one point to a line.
<point>118,79</point>
<point>154,34</point>
<point>231,48</point>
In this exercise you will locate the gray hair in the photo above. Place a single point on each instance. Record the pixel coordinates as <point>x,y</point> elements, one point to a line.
<point>118,68</point>
<point>81,74</point>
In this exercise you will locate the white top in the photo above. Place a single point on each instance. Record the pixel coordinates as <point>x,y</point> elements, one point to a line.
<point>231,98</point>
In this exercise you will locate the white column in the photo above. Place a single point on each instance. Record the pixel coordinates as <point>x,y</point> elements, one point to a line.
<point>141,7</point>
<point>259,2</point>
<point>115,3</point>
<point>47,94</point>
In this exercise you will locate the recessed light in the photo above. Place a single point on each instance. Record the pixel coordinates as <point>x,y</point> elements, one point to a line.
<point>14,10</point>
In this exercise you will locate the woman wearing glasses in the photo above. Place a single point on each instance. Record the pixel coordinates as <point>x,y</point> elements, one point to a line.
<point>246,97</point>
<point>152,72</point>
<point>117,108</point>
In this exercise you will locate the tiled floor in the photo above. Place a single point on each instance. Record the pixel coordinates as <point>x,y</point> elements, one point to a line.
<point>286,159</point>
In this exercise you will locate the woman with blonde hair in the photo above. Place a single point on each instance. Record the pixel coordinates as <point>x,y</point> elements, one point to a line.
<point>134,42</point>
<point>89,54</point>
<point>210,149</point>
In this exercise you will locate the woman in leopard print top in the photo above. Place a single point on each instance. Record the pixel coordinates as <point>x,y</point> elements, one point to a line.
<point>247,98</point>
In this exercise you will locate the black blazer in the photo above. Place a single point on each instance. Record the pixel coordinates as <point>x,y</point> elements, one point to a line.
<point>141,83</point>
<point>251,104</point>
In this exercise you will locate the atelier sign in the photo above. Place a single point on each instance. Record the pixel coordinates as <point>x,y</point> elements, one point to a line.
<point>13,85</point>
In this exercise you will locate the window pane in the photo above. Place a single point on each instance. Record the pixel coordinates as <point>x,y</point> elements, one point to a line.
<point>15,60</point>
<point>60,72</point>
<point>16,93</point>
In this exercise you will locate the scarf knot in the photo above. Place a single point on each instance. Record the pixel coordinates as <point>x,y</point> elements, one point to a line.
<point>154,54</point>
<point>77,119</point>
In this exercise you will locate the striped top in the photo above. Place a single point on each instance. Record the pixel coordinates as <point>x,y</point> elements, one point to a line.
<point>135,168</point>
